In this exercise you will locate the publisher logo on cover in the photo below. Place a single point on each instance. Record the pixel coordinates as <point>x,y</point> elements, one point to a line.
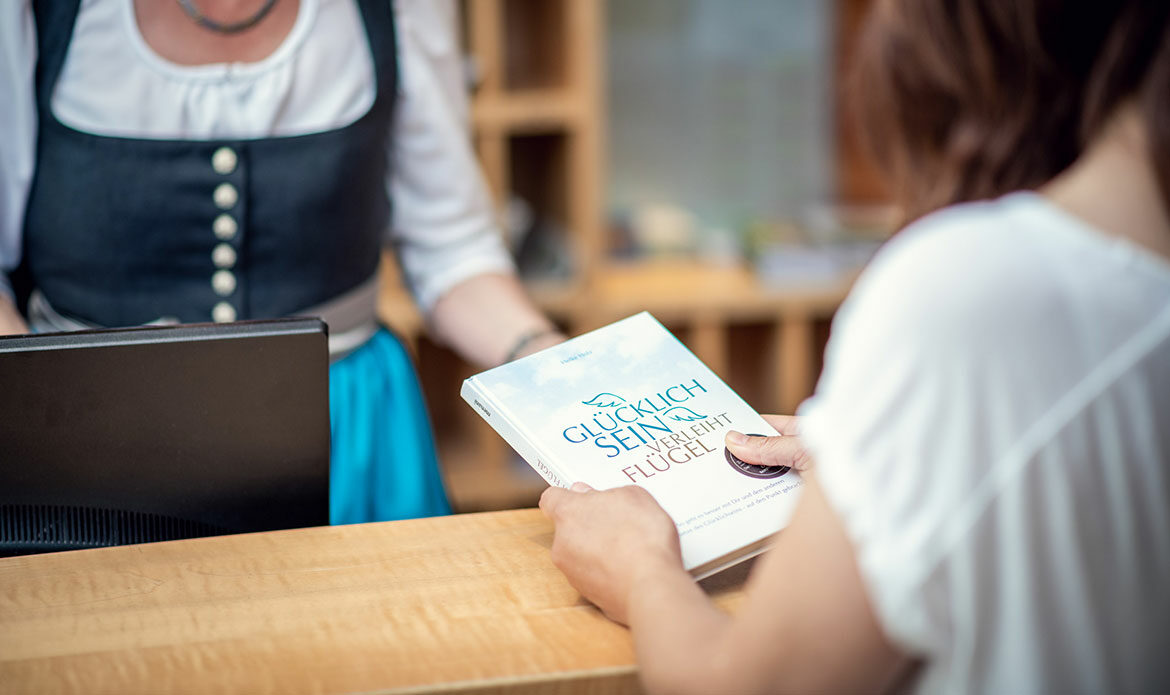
<point>752,470</point>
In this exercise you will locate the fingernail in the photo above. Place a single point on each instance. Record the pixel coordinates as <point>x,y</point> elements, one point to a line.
<point>737,438</point>
<point>580,487</point>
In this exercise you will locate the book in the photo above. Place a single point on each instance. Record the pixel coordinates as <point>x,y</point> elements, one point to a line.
<point>630,404</point>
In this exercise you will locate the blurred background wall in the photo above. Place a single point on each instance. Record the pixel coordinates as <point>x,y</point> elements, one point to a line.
<point>721,106</point>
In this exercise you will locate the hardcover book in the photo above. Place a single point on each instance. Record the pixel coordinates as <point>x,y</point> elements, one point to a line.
<point>628,404</point>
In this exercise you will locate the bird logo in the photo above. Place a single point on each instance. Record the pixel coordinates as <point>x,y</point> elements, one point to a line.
<point>605,400</point>
<point>682,414</point>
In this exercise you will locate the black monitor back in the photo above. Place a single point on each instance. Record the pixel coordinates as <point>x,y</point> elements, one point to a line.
<point>135,435</point>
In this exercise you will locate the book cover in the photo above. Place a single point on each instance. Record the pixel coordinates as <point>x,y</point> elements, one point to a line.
<point>630,404</point>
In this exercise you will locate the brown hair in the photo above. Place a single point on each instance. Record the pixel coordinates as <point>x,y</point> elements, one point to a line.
<point>968,99</point>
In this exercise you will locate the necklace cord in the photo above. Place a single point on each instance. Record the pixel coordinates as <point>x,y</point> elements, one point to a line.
<point>225,28</point>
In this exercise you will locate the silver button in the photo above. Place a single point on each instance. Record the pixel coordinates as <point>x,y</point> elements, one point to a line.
<point>223,256</point>
<point>225,227</point>
<point>223,313</point>
<point>223,282</point>
<point>224,160</point>
<point>225,196</point>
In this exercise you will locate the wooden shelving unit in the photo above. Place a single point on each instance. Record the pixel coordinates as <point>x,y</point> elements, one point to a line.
<point>538,128</point>
<point>537,112</point>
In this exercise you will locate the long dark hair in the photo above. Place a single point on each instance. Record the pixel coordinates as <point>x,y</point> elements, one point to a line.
<point>968,99</point>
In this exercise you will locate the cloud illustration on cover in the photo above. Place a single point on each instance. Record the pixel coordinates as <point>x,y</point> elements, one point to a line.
<point>605,400</point>
<point>681,414</point>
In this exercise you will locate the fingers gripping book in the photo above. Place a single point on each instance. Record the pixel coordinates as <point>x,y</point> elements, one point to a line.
<point>628,404</point>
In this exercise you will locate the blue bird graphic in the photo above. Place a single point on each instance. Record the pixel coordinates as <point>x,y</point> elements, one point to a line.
<point>681,414</point>
<point>605,400</point>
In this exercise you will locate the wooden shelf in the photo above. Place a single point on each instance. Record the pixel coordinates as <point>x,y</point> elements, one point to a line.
<point>538,124</point>
<point>704,304</point>
<point>527,112</point>
<point>680,290</point>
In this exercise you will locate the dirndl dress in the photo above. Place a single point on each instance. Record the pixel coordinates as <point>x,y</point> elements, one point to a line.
<point>122,231</point>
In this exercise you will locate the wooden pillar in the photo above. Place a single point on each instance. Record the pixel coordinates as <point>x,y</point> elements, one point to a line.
<point>794,361</point>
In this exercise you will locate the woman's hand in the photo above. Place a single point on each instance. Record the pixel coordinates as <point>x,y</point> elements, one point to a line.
<point>606,542</point>
<point>785,450</point>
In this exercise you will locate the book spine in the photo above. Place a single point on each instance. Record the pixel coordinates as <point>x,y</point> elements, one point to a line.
<point>498,418</point>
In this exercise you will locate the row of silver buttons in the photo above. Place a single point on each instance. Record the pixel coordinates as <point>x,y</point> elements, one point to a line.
<point>225,227</point>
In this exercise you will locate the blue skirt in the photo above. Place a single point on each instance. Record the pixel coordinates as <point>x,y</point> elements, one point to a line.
<point>383,464</point>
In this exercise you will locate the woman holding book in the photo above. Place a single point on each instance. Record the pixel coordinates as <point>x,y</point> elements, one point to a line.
<point>221,160</point>
<point>989,509</point>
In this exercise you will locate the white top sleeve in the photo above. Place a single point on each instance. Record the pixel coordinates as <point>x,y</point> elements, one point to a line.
<point>18,127</point>
<point>992,429</point>
<point>443,226</point>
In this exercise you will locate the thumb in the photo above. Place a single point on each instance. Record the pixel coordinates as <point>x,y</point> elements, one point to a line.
<point>551,499</point>
<point>769,451</point>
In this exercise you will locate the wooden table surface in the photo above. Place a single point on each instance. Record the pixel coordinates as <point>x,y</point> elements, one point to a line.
<point>467,603</point>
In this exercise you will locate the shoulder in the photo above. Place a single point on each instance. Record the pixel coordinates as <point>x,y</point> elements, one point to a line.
<point>964,276</point>
<point>428,50</point>
<point>17,35</point>
<point>432,20</point>
<point>926,381</point>
<point>970,323</point>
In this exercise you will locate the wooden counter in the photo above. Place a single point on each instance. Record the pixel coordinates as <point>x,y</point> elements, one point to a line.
<point>468,603</point>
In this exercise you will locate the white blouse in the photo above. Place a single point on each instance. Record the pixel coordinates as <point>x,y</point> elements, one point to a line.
<point>993,429</point>
<point>321,77</point>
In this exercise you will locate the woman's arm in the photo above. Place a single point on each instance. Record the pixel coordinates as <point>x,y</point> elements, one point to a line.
<point>488,319</point>
<point>806,624</point>
<point>11,322</point>
<point>18,134</point>
<point>444,227</point>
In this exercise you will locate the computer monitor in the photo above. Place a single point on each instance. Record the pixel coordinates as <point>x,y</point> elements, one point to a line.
<point>111,437</point>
